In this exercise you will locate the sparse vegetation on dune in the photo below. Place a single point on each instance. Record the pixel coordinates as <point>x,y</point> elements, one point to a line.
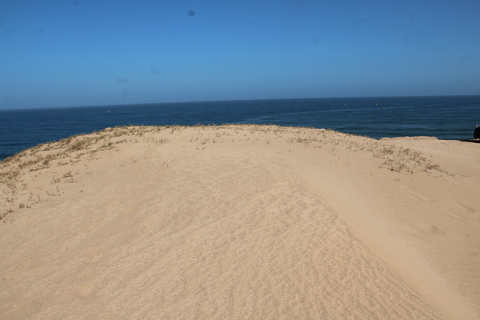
<point>16,170</point>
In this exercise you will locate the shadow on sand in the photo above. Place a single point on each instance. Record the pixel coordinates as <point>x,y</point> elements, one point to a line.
<point>470,140</point>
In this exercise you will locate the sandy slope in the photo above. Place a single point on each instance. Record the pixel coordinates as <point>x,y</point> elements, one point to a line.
<point>240,222</point>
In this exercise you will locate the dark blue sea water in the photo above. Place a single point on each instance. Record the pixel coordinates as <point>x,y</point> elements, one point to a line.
<point>449,117</point>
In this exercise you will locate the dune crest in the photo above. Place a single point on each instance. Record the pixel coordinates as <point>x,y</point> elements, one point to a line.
<point>240,221</point>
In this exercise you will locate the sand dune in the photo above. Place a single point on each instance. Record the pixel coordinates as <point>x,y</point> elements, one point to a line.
<point>240,222</point>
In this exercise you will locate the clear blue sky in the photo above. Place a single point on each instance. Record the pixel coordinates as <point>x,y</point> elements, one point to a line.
<point>79,53</point>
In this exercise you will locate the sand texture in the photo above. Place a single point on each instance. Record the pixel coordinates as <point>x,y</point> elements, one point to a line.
<point>240,222</point>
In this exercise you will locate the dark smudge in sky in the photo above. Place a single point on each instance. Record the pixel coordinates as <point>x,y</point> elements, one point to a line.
<point>122,80</point>
<point>153,69</point>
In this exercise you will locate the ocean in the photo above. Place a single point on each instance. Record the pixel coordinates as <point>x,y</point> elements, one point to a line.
<point>444,117</point>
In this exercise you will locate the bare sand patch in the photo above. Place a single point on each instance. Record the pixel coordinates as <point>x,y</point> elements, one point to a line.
<point>240,222</point>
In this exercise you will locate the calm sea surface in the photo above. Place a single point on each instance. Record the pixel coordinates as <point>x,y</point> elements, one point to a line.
<point>450,117</point>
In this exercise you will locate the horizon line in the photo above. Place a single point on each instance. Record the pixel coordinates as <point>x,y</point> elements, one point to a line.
<point>230,100</point>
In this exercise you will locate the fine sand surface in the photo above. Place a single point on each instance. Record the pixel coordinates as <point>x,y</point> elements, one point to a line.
<point>240,222</point>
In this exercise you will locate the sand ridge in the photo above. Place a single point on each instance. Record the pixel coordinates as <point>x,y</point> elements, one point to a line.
<point>240,221</point>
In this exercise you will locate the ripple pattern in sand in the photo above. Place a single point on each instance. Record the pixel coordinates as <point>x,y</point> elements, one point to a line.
<point>213,242</point>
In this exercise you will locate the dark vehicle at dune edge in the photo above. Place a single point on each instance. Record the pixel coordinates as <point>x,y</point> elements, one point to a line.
<point>476,132</point>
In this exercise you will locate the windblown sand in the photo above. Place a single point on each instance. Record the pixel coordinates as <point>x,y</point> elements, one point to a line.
<point>240,222</point>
